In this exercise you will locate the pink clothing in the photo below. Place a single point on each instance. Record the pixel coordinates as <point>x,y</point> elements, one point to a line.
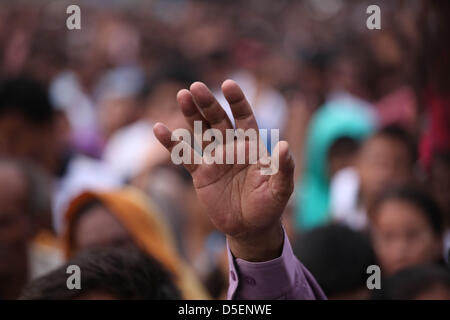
<point>282,278</point>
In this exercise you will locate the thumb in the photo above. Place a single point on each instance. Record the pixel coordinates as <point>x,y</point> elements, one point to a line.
<point>282,183</point>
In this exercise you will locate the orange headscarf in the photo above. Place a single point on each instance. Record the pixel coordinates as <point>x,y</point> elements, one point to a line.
<point>147,229</point>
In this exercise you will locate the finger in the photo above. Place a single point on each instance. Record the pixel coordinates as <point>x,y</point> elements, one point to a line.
<point>189,109</point>
<point>282,182</point>
<point>211,109</point>
<point>197,123</point>
<point>166,138</point>
<point>242,112</point>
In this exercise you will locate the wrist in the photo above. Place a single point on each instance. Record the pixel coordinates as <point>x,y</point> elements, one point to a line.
<point>260,246</point>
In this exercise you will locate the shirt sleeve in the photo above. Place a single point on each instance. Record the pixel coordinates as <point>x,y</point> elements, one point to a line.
<point>282,278</point>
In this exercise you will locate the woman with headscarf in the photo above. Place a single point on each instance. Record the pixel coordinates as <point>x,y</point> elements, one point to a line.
<point>333,134</point>
<point>124,216</point>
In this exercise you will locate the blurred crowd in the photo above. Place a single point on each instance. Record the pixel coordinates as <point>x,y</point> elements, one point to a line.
<point>366,114</point>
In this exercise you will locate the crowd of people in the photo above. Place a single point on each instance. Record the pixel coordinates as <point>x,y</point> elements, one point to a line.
<point>85,180</point>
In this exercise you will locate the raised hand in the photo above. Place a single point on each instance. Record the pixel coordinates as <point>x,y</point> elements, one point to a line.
<point>240,201</point>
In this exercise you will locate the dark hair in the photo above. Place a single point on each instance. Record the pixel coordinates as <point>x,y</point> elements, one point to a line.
<point>343,146</point>
<point>87,206</point>
<point>337,256</point>
<point>37,198</point>
<point>27,98</point>
<point>396,132</point>
<point>178,72</point>
<point>410,282</point>
<point>126,273</point>
<point>416,197</point>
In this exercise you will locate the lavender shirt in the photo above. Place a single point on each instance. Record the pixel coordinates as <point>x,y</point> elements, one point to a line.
<point>281,278</point>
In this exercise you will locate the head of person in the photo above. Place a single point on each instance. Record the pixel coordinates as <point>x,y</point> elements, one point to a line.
<point>124,217</point>
<point>385,159</point>
<point>158,96</point>
<point>116,93</point>
<point>425,282</point>
<point>406,228</point>
<point>338,258</point>
<point>334,134</point>
<point>115,218</point>
<point>21,203</point>
<point>350,69</point>
<point>107,273</point>
<point>27,122</point>
<point>341,154</point>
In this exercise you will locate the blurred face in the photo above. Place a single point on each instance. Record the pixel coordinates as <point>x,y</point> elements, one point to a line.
<point>403,237</point>
<point>383,162</point>
<point>21,139</point>
<point>98,227</point>
<point>341,154</point>
<point>162,105</point>
<point>15,225</point>
<point>115,113</point>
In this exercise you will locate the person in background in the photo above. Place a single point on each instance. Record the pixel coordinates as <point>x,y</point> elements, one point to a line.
<point>338,258</point>
<point>28,124</point>
<point>126,217</point>
<point>116,99</point>
<point>406,228</point>
<point>27,247</point>
<point>133,151</point>
<point>432,74</point>
<point>423,282</point>
<point>333,136</point>
<point>30,129</point>
<point>124,273</point>
<point>387,158</point>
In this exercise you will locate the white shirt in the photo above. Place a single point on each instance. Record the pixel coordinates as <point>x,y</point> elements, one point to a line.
<point>127,150</point>
<point>344,205</point>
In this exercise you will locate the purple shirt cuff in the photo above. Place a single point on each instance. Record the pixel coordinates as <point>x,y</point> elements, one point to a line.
<point>281,278</point>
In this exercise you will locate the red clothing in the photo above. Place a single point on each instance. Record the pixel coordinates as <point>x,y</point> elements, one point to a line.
<point>437,134</point>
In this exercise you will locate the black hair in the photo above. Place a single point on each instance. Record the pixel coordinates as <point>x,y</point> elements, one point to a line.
<point>343,146</point>
<point>27,98</point>
<point>123,272</point>
<point>409,283</point>
<point>178,72</point>
<point>398,133</point>
<point>417,197</point>
<point>337,257</point>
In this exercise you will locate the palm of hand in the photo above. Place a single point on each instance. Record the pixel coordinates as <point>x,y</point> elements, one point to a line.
<point>239,199</point>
